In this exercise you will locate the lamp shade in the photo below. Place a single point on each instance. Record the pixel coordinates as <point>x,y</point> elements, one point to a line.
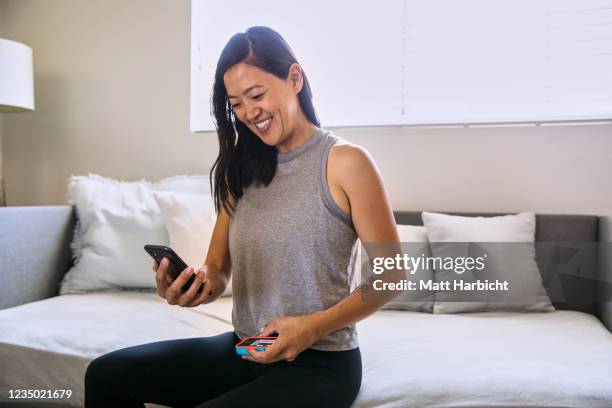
<point>16,78</point>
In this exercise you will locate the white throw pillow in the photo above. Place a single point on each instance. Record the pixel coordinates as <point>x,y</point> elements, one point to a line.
<point>115,219</point>
<point>190,220</point>
<point>417,244</point>
<point>505,243</point>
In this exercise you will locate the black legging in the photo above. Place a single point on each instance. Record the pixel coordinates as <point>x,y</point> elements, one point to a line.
<point>207,372</point>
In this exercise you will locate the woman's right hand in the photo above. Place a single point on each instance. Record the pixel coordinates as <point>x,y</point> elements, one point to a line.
<point>204,289</point>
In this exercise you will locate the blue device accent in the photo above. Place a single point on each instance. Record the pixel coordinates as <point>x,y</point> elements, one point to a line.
<point>258,343</point>
<point>243,351</point>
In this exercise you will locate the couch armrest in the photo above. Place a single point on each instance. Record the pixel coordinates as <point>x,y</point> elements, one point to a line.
<point>35,251</point>
<point>604,307</point>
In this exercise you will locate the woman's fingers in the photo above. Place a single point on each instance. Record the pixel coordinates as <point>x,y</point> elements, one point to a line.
<point>171,289</point>
<point>174,291</point>
<point>205,293</point>
<point>161,277</point>
<point>191,293</point>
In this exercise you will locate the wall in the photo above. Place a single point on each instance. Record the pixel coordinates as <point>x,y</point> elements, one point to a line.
<point>1,117</point>
<point>112,97</point>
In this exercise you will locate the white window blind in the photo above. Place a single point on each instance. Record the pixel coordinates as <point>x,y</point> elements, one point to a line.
<point>408,62</point>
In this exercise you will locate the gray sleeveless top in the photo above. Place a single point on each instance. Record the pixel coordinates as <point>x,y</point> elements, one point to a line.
<point>290,245</point>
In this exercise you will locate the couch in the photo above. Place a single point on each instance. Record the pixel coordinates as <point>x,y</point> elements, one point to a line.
<point>410,359</point>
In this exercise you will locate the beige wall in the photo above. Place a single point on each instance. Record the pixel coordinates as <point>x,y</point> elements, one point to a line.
<point>112,97</point>
<point>2,13</point>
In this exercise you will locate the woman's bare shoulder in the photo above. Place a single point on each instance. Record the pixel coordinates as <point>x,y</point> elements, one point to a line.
<point>345,156</point>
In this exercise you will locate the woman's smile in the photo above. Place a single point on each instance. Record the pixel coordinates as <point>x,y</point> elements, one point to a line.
<point>264,126</point>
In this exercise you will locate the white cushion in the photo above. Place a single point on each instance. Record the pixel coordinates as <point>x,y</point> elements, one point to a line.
<point>49,343</point>
<point>507,242</point>
<point>115,220</point>
<point>409,359</point>
<point>492,359</point>
<point>190,220</point>
<point>415,239</point>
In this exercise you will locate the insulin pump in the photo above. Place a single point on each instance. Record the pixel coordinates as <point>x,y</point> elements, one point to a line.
<point>255,343</point>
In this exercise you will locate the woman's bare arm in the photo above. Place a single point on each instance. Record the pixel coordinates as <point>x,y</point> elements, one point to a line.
<point>218,262</point>
<point>356,174</point>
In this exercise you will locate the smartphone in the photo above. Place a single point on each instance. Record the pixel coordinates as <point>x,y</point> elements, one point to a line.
<point>176,265</point>
<point>256,343</point>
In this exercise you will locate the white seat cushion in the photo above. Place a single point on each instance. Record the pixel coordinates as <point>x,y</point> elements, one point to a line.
<point>494,359</point>
<point>509,359</point>
<point>50,342</point>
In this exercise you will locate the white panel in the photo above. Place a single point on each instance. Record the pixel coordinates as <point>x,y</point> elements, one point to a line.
<point>427,62</point>
<point>339,44</point>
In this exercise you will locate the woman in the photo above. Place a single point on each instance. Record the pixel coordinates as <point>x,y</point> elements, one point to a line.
<point>291,200</point>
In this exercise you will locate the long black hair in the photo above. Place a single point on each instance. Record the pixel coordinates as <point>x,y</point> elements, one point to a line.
<point>243,157</point>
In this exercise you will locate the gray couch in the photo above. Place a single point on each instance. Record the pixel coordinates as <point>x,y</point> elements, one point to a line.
<point>35,253</point>
<point>35,248</point>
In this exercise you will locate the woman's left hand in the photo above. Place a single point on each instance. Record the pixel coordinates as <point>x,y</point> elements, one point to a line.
<point>295,334</point>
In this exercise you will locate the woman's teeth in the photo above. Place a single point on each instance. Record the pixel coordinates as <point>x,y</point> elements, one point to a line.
<point>263,124</point>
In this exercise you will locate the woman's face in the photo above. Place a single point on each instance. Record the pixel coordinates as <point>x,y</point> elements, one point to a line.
<point>267,105</point>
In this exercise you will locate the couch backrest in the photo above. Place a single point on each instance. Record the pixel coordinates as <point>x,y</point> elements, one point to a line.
<point>577,291</point>
<point>34,252</point>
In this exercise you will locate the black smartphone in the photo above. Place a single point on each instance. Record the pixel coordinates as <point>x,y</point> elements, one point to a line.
<point>176,265</point>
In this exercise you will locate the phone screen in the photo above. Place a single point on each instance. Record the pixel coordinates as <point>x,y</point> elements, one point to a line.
<point>256,342</point>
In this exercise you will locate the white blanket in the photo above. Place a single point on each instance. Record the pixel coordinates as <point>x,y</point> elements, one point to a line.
<point>410,359</point>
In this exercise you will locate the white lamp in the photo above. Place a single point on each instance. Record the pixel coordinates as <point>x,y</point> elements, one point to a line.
<point>16,84</point>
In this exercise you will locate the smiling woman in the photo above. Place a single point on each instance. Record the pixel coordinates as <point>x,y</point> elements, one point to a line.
<point>257,78</point>
<point>292,199</point>
<point>269,103</point>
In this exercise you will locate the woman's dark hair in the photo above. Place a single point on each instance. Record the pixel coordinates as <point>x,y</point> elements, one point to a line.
<point>243,157</point>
